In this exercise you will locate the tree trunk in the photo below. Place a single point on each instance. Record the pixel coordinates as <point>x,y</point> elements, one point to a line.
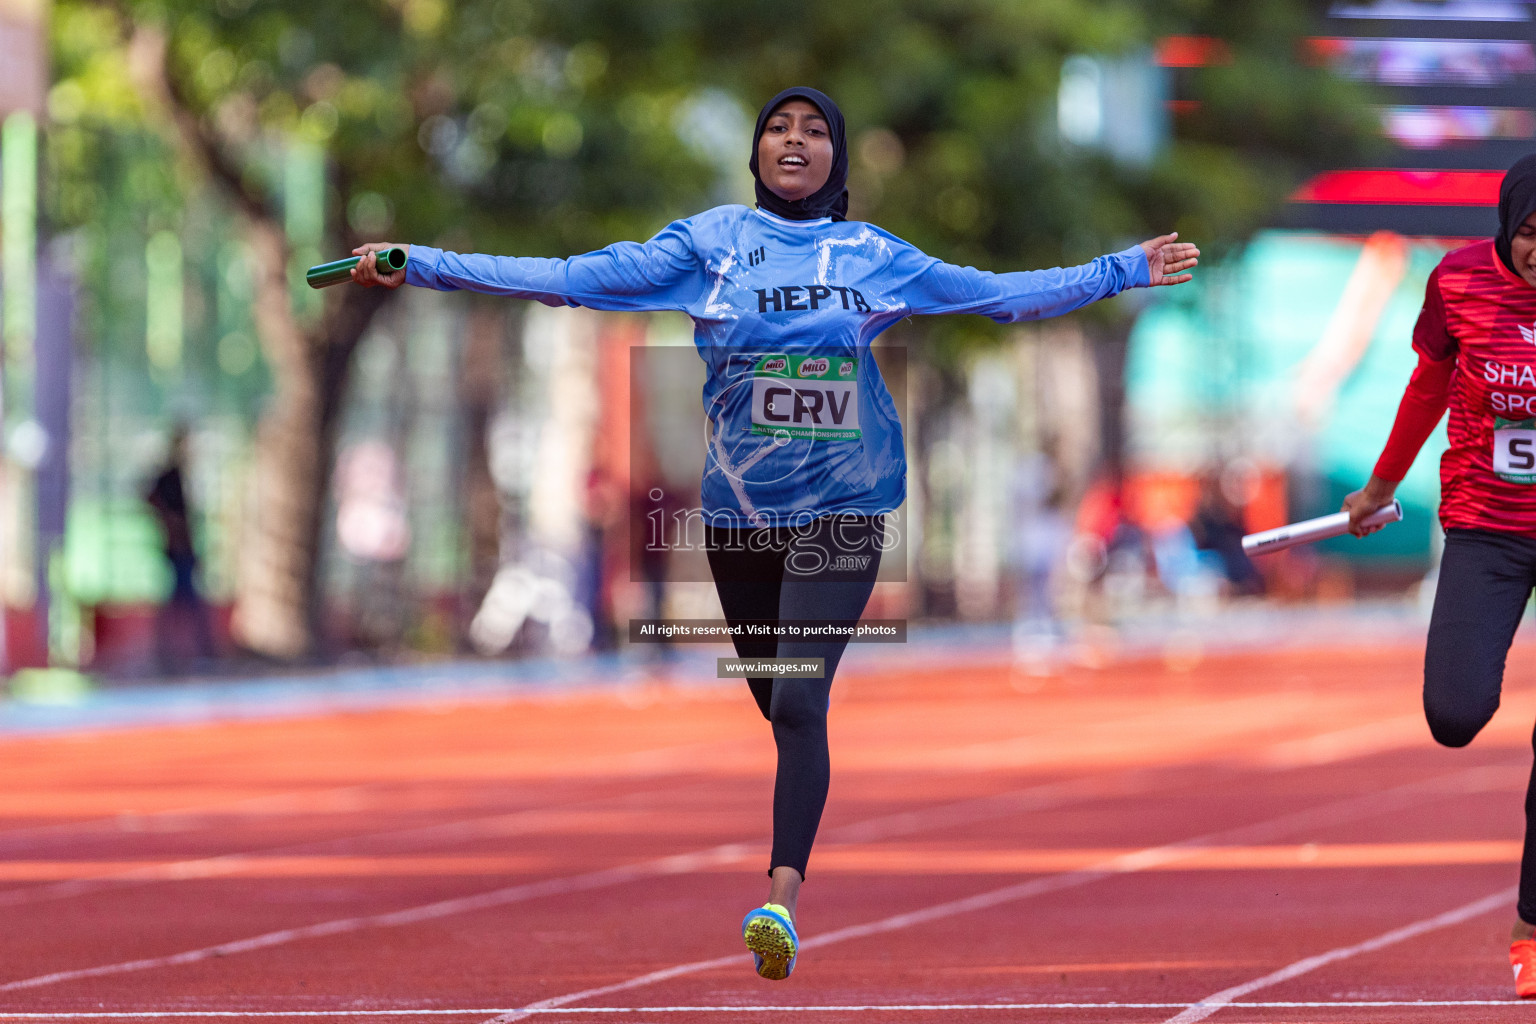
<point>278,602</point>
<point>278,594</point>
<point>481,392</point>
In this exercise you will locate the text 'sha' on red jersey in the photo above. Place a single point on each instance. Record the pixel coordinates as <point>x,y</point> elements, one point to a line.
<point>1479,312</point>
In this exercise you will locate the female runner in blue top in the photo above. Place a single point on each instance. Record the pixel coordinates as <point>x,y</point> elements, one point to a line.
<point>806,454</point>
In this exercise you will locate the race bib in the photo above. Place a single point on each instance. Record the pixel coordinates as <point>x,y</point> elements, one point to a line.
<point>815,397</point>
<point>1514,450</point>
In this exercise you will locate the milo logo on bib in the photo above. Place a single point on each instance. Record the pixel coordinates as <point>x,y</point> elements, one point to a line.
<point>815,397</point>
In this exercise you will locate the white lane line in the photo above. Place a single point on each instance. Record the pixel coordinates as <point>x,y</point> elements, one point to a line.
<point>657,761</point>
<point>528,819</point>
<point>1355,741</point>
<point>1030,798</point>
<point>507,823</point>
<point>1501,900</point>
<point>787,1008</point>
<point>343,798</point>
<point>1338,812</point>
<point>678,864</point>
<point>648,762</point>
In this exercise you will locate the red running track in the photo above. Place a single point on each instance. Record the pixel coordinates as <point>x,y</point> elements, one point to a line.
<point>1264,837</point>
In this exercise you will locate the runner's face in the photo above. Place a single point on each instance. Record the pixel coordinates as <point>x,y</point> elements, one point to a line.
<point>1522,250</point>
<point>794,156</point>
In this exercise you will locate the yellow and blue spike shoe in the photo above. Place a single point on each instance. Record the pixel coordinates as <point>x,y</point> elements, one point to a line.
<point>770,935</point>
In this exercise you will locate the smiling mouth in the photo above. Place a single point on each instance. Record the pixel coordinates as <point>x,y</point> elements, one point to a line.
<point>792,161</point>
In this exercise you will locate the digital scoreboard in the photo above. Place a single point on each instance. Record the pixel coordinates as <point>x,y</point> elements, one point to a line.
<point>1457,87</point>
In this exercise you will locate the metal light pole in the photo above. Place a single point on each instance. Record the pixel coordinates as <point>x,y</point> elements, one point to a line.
<point>23,55</point>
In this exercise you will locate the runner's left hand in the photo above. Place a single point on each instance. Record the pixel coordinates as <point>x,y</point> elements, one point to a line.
<point>1168,258</point>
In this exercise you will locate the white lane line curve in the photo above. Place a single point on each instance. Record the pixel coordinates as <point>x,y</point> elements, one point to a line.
<point>1338,812</point>
<point>13,840</point>
<point>561,886</point>
<point>505,823</point>
<point>657,761</point>
<point>1503,899</point>
<point>643,763</point>
<point>1030,798</point>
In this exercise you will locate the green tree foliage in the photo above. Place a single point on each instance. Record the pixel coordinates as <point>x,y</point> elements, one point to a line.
<point>546,127</point>
<point>553,127</point>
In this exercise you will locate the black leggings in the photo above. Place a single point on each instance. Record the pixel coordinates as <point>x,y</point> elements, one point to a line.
<point>1486,578</point>
<point>823,571</point>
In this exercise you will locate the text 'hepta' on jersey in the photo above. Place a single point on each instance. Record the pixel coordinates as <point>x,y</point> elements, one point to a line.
<point>802,423</point>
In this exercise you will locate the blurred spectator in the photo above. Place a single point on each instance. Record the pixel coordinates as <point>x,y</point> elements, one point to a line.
<point>1217,527</point>
<point>374,531</point>
<point>1188,573</point>
<point>1040,542</point>
<point>604,522</point>
<point>167,497</point>
<point>653,517</point>
<point>1038,550</point>
<point>1111,558</point>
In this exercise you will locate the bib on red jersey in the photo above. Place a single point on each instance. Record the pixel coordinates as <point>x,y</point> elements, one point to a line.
<point>1514,450</point>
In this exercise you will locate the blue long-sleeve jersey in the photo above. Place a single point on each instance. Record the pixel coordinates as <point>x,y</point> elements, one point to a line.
<point>802,425</point>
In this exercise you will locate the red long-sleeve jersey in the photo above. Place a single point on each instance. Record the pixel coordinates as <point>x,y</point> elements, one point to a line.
<point>1476,341</point>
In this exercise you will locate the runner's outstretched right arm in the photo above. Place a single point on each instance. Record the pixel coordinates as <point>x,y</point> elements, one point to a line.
<point>663,273</point>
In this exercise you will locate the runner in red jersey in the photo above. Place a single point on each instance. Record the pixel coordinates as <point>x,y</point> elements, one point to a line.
<point>1476,340</point>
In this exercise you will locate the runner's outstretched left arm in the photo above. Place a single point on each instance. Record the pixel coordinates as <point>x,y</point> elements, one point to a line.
<point>927,285</point>
<point>1424,402</point>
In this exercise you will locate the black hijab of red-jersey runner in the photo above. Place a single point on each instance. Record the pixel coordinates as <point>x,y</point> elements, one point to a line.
<point>1517,201</point>
<point>831,200</point>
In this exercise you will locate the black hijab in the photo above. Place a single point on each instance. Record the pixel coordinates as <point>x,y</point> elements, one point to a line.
<point>831,200</point>
<point>1517,201</point>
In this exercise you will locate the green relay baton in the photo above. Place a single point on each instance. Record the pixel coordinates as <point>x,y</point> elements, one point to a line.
<point>327,274</point>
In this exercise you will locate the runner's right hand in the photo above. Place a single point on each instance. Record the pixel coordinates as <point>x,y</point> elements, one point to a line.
<point>366,273</point>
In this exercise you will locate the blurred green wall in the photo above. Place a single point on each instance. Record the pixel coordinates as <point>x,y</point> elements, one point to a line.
<point>1212,371</point>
